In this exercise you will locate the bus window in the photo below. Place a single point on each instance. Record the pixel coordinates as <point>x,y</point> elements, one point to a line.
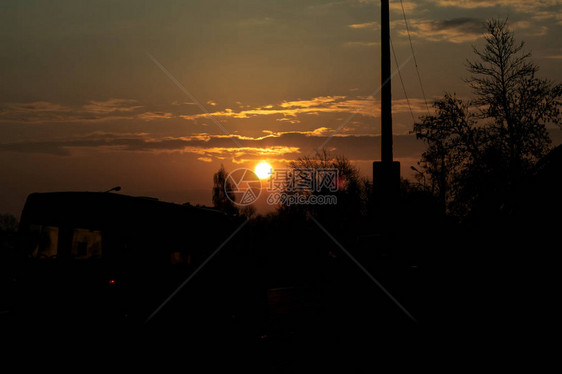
<point>43,241</point>
<point>180,258</point>
<point>176,258</point>
<point>86,244</point>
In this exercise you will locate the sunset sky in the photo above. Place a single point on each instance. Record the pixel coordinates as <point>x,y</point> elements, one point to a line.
<point>86,105</point>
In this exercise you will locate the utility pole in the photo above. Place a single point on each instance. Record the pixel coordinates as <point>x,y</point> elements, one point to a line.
<point>386,92</point>
<point>386,173</point>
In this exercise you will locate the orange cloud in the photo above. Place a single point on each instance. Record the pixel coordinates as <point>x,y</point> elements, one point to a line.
<point>366,106</point>
<point>149,116</point>
<point>275,146</point>
<point>408,6</point>
<point>321,131</point>
<point>457,30</point>
<point>111,105</point>
<point>43,111</point>
<point>34,107</point>
<point>361,44</point>
<point>242,154</point>
<point>548,16</point>
<point>520,5</point>
<point>368,25</point>
<point>125,109</point>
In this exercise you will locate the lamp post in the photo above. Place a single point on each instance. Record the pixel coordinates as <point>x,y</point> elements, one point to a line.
<point>422,175</point>
<point>116,189</point>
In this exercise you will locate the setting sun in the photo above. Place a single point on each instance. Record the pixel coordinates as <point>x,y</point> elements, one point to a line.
<point>263,170</point>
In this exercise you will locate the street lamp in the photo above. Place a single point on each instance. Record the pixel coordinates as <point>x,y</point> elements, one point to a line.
<point>420,173</point>
<point>116,189</point>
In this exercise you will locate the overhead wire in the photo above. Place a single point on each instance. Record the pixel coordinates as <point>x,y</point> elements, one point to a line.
<point>402,82</point>
<point>414,55</point>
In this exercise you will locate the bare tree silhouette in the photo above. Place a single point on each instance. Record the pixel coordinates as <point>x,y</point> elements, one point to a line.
<point>352,190</point>
<point>248,211</point>
<point>223,198</point>
<point>510,95</point>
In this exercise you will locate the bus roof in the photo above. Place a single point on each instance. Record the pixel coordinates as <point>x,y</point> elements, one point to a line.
<point>96,209</point>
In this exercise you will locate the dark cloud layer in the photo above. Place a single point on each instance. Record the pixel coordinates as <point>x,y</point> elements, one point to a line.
<point>278,146</point>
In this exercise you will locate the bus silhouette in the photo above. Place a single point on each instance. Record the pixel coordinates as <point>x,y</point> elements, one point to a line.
<point>93,257</point>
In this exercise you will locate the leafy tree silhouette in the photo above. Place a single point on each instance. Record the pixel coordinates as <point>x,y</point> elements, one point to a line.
<point>478,151</point>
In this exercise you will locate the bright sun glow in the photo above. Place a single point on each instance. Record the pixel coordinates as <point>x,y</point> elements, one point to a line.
<point>263,170</point>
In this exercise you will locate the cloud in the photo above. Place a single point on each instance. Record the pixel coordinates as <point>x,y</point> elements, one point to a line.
<point>529,28</point>
<point>273,145</point>
<point>33,111</point>
<point>202,144</point>
<point>150,116</point>
<point>519,5</point>
<point>321,131</point>
<point>408,6</point>
<point>43,111</point>
<point>394,5</point>
<point>289,110</point>
<point>313,103</point>
<point>462,29</point>
<point>111,106</point>
<point>548,16</point>
<point>34,107</point>
<point>456,30</point>
<point>361,44</point>
<point>178,103</point>
<point>369,25</point>
<point>290,120</point>
<point>93,111</point>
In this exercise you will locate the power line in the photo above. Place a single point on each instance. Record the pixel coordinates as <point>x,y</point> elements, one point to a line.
<point>415,61</point>
<point>402,82</point>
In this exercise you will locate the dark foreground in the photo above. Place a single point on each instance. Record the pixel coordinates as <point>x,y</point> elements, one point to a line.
<point>300,303</point>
